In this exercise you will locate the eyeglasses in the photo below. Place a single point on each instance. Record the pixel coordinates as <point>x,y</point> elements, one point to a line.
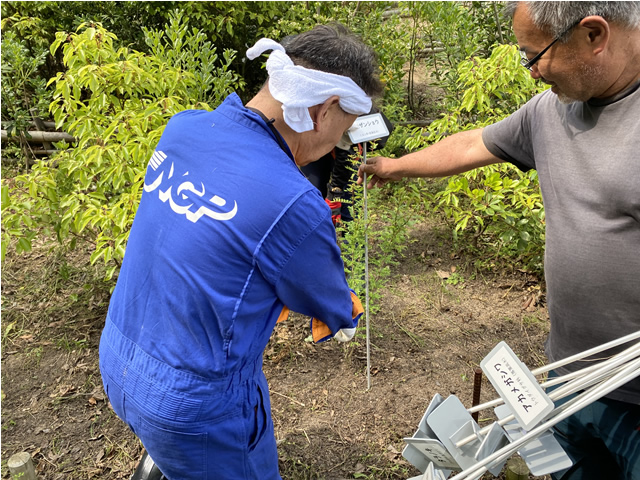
<point>524,60</point>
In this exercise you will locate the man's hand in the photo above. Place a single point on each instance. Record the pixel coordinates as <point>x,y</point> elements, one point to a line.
<point>458,153</point>
<point>379,171</point>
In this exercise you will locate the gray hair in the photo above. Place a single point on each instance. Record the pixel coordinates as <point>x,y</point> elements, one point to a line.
<point>334,49</point>
<point>556,17</point>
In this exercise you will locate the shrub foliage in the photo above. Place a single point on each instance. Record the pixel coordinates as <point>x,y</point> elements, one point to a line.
<point>115,102</point>
<point>113,86</point>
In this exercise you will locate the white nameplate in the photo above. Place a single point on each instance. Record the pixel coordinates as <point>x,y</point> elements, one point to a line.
<point>434,451</point>
<point>367,128</point>
<point>516,385</point>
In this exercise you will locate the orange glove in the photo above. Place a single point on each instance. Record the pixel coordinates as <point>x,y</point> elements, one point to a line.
<point>284,314</point>
<point>321,332</point>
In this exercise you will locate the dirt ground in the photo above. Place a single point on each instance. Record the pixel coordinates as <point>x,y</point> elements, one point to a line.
<point>436,322</point>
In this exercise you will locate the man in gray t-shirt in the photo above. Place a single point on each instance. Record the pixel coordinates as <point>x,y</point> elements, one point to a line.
<point>583,138</point>
<point>588,164</point>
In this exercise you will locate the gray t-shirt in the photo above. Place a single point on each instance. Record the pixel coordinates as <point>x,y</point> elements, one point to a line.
<point>587,155</point>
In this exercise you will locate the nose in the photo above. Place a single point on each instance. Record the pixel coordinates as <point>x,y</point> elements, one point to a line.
<point>535,73</point>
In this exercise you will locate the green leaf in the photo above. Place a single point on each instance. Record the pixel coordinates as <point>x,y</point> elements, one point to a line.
<point>96,255</point>
<point>109,273</point>
<point>507,236</point>
<point>83,220</point>
<point>4,245</point>
<point>6,198</point>
<point>24,245</point>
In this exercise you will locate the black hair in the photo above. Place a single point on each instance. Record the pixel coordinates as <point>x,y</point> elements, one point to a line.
<point>333,48</point>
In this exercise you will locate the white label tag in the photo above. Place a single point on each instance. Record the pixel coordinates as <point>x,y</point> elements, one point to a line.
<point>434,451</point>
<point>517,386</point>
<point>367,128</point>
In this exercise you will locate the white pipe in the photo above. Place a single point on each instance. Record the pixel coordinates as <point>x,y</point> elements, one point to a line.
<point>549,383</point>
<point>563,378</point>
<point>599,371</point>
<point>605,367</point>
<point>587,353</point>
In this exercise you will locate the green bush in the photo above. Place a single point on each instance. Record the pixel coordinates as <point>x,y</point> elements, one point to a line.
<point>23,90</point>
<point>498,207</point>
<point>500,210</point>
<point>385,230</point>
<point>116,102</point>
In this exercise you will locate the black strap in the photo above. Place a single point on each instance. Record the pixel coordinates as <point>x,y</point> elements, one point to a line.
<point>273,129</point>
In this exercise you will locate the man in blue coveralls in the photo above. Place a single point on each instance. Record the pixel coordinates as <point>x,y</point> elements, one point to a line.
<point>228,236</point>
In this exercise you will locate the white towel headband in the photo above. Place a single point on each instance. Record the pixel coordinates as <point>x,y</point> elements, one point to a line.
<point>299,88</point>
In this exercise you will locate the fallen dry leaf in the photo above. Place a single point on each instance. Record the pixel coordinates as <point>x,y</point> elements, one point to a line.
<point>442,274</point>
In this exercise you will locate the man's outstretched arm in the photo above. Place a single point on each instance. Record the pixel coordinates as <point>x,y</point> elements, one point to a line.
<point>458,153</point>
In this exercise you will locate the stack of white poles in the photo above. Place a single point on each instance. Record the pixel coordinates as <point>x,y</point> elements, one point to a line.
<point>594,382</point>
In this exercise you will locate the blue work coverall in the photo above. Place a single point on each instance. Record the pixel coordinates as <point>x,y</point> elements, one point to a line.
<point>227,235</point>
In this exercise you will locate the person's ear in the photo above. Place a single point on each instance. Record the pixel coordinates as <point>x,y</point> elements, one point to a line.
<point>320,113</point>
<point>597,33</point>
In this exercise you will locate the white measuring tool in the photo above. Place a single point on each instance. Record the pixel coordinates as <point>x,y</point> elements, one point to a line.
<point>363,130</point>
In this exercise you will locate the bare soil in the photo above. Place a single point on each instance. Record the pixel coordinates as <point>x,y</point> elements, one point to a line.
<point>437,320</point>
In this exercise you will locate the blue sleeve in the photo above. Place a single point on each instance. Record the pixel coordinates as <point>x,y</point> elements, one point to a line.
<point>301,258</point>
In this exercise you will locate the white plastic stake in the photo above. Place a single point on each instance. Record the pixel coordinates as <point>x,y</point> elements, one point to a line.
<point>366,269</point>
<point>363,130</point>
